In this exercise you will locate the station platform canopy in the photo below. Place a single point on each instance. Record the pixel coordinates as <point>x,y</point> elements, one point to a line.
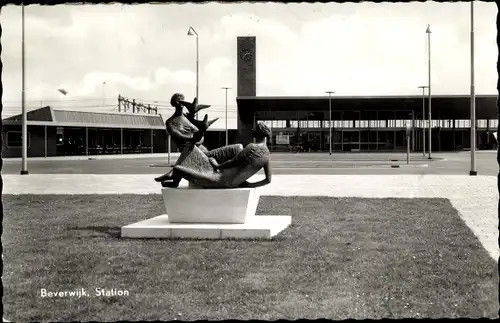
<point>48,116</point>
<point>456,106</point>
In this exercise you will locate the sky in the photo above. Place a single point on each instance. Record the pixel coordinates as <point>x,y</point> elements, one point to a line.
<point>144,52</point>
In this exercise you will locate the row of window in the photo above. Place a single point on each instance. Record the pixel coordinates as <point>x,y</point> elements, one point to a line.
<point>493,123</point>
<point>15,139</point>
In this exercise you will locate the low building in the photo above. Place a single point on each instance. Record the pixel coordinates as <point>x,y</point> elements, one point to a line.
<point>70,133</point>
<point>375,123</point>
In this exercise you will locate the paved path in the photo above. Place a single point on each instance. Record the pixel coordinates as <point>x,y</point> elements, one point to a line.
<point>457,163</point>
<point>92,157</point>
<point>359,156</point>
<point>475,198</point>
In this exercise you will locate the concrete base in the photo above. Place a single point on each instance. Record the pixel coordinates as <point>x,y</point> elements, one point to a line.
<point>260,226</point>
<point>192,205</point>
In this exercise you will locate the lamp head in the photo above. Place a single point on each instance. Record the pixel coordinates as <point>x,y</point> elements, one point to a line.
<point>192,32</point>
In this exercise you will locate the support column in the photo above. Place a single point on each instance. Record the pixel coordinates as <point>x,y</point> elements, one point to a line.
<point>413,130</point>
<point>420,138</point>
<point>369,138</point>
<point>439,138</point>
<point>454,136</point>
<point>341,139</point>
<point>395,143</point>
<point>377,126</point>
<point>86,141</point>
<point>359,139</point>
<point>121,141</point>
<point>488,135</point>
<point>322,140</point>
<point>152,135</point>
<point>341,132</point>
<point>45,140</point>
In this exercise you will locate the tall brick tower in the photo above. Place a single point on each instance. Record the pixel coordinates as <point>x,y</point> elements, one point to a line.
<point>247,85</point>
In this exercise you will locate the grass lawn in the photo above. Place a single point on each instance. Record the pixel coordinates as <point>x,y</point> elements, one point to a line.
<point>341,258</point>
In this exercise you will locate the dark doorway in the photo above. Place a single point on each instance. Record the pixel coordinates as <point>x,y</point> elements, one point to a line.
<point>351,140</point>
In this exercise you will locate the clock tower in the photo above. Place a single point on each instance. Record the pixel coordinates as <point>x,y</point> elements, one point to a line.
<point>247,85</point>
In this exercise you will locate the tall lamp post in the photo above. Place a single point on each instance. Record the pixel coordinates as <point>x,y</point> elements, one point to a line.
<point>428,31</point>
<point>24,167</point>
<point>423,87</point>
<point>473,171</point>
<point>103,94</point>
<point>192,32</point>
<point>227,137</point>
<point>330,118</point>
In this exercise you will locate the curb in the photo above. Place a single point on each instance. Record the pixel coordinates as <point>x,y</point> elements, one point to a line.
<point>161,165</point>
<point>95,157</point>
<point>409,166</point>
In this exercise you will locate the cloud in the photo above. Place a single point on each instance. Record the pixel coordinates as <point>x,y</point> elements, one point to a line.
<point>218,65</point>
<point>142,51</point>
<point>165,76</point>
<point>377,53</point>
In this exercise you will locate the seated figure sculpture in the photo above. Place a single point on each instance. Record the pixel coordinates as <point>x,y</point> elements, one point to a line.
<point>225,167</point>
<point>229,166</point>
<point>184,129</point>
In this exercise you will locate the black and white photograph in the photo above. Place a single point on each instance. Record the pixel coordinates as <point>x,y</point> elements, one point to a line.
<point>249,161</point>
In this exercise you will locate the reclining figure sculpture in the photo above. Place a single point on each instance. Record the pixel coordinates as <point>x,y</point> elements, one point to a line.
<point>225,167</point>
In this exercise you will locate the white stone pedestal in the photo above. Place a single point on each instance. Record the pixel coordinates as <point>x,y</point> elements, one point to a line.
<point>209,214</point>
<point>192,205</point>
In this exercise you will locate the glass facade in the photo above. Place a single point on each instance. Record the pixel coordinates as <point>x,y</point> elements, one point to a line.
<point>369,131</point>
<point>72,141</point>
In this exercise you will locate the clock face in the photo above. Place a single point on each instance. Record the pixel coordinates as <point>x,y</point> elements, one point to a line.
<point>246,55</point>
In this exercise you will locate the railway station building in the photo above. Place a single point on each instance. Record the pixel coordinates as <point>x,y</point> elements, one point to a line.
<point>361,123</point>
<point>54,132</point>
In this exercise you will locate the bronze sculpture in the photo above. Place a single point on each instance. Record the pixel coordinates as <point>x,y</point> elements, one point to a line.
<point>225,167</point>
<point>184,129</point>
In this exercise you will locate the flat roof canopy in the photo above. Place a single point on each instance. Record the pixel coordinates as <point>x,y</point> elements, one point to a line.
<point>449,106</point>
<point>47,116</point>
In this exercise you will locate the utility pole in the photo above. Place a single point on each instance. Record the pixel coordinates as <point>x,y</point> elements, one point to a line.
<point>423,87</point>
<point>227,137</point>
<point>103,94</point>
<point>473,171</point>
<point>24,167</point>
<point>428,31</point>
<point>330,118</point>
<point>192,32</point>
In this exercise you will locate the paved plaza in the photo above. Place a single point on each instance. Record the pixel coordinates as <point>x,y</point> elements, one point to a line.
<point>451,163</point>
<point>475,198</point>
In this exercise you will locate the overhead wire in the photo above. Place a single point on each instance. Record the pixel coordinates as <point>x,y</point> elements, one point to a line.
<point>163,106</point>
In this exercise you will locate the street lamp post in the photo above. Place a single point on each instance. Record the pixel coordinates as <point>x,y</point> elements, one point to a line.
<point>428,31</point>
<point>473,171</point>
<point>408,138</point>
<point>330,118</point>
<point>423,87</point>
<point>192,32</point>
<point>227,137</point>
<point>103,94</point>
<point>24,126</point>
